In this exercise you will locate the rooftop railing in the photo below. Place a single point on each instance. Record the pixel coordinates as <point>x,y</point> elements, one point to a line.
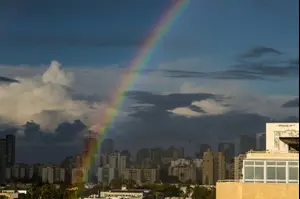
<point>267,151</point>
<point>230,180</point>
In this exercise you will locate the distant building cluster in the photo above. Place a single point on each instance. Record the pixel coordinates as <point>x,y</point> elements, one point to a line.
<point>150,165</point>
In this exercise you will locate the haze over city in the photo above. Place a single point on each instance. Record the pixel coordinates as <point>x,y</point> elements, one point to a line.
<point>222,70</point>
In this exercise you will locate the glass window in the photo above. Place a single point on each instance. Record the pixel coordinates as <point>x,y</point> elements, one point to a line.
<point>249,172</point>
<point>281,173</point>
<point>259,162</point>
<point>271,175</point>
<point>259,173</point>
<point>281,163</point>
<point>293,173</point>
<point>271,163</point>
<point>293,163</point>
<point>249,163</point>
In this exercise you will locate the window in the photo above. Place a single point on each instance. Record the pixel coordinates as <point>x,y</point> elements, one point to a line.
<point>293,173</point>
<point>249,173</point>
<point>261,163</point>
<point>271,171</point>
<point>280,173</point>
<point>271,163</point>
<point>259,173</point>
<point>253,173</point>
<point>271,175</point>
<point>293,170</point>
<point>249,162</point>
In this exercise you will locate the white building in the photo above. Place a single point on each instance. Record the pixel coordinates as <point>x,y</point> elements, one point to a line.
<point>280,164</point>
<point>59,174</point>
<point>48,174</point>
<point>282,137</point>
<point>106,175</point>
<point>129,194</point>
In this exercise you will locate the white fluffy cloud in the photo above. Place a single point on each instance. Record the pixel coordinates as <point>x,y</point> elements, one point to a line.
<point>236,98</point>
<point>209,107</point>
<point>45,99</point>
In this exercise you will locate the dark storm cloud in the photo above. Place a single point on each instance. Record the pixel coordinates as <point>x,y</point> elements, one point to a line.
<point>7,80</point>
<point>226,74</point>
<point>148,127</point>
<point>103,42</point>
<point>155,126</point>
<point>260,51</point>
<point>291,104</point>
<point>275,68</point>
<point>166,102</point>
<point>65,132</point>
<point>245,69</point>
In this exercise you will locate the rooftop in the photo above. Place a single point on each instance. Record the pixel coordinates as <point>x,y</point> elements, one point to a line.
<point>293,155</point>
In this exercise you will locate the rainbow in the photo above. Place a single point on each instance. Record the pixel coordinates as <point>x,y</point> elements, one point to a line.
<point>130,77</point>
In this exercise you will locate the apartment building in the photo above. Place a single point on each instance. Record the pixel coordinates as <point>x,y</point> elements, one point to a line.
<point>269,174</point>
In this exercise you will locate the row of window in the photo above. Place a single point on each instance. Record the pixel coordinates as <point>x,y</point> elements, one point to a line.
<point>270,162</point>
<point>270,172</point>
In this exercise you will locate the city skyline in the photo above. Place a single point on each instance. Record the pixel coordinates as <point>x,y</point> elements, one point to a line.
<point>222,70</point>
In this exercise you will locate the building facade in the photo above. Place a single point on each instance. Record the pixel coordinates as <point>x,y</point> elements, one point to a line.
<point>269,174</point>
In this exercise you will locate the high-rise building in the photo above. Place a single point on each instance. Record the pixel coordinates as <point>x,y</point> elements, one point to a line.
<point>3,163</point>
<point>214,167</point>
<point>107,146</point>
<point>134,174</point>
<point>273,173</point>
<point>185,170</point>
<point>117,161</point>
<point>142,155</point>
<point>156,155</point>
<point>105,175</point>
<point>150,176</point>
<point>247,143</point>
<point>261,141</point>
<point>113,160</point>
<point>173,153</point>
<point>10,150</point>
<point>203,148</point>
<point>238,166</point>
<point>228,150</point>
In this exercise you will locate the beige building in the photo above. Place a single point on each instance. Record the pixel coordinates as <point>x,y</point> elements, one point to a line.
<point>185,169</point>
<point>134,174</point>
<point>105,175</point>
<point>270,174</point>
<point>214,167</point>
<point>150,176</point>
<point>238,166</point>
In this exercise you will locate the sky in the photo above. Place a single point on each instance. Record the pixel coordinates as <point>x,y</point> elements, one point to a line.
<point>233,63</point>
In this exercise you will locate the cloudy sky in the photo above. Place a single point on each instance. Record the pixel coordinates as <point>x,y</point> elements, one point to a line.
<point>222,70</point>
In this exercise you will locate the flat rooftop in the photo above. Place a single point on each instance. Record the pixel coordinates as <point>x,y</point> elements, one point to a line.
<point>263,155</point>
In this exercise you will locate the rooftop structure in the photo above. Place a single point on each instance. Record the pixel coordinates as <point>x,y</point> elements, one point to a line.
<point>269,174</point>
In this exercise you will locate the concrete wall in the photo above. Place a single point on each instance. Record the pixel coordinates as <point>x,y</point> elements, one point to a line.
<point>239,190</point>
<point>276,130</point>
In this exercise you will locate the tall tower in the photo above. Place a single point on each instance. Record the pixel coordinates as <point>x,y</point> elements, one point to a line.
<point>10,150</point>
<point>228,149</point>
<point>213,167</point>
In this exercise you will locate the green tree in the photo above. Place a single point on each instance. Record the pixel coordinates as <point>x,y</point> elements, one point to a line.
<point>46,191</point>
<point>171,191</point>
<point>115,184</point>
<point>201,192</point>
